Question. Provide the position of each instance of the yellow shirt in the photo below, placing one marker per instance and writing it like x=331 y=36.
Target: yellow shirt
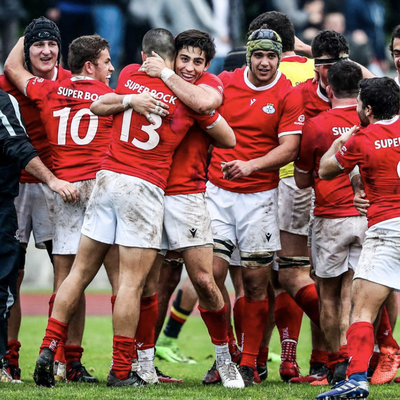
x=297 y=69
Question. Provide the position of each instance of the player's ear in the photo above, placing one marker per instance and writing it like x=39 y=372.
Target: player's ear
x=144 y=56
x=207 y=66
x=88 y=67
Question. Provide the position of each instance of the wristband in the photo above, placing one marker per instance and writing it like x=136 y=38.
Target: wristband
x=126 y=101
x=166 y=73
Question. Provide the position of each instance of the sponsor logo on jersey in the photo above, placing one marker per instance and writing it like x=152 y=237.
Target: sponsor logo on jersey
x=37 y=79
x=340 y=130
x=268 y=236
x=16 y=236
x=252 y=101
x=300 y=120
x=221 y=89
x=136 y=87
x=269 y=108
x=77 y=94
x=193 y=232
x=385 y=143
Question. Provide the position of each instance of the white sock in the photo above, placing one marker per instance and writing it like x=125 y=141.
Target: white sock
x=222 y=352
x=146 y=359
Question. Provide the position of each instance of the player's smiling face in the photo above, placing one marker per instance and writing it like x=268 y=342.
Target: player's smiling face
x=190 y=63
x=396 y=54
x=264 y=65
x=104 y=69
x=43 y=56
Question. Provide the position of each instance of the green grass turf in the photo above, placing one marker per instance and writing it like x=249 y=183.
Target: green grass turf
x=194 y=342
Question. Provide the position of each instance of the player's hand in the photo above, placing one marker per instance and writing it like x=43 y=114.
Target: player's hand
x=236 y=169
x=144 y=103
x=66 y=190
x=341 y=140
x=153 y=65
x=361 y=203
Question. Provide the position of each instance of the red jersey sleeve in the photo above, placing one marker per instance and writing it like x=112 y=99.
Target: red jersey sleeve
x=292 y=118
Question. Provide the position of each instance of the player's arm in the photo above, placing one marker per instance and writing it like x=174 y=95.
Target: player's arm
x=200 y=98
x=303 y=179
x=361 y=203
x=14 y=68
x=278 y=157
x=222 y=133
x=329 y=167
x=143 y=103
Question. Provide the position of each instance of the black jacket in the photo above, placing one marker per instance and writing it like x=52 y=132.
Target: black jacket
x=15 y=148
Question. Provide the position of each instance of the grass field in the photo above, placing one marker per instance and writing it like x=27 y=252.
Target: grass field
x=194 y=342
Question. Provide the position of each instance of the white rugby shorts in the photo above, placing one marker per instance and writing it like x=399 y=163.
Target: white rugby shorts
x=380 y=257
x=187 y=222
x=248 y=219
x=35 y=209
x=125 y=210
x=68 y=219
x=336 y=244
x=294 y=207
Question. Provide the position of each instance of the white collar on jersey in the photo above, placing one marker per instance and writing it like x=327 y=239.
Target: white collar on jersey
x=321 y=95
x=81 y=78
x=260 y=88
x=388 y=121
x=54 y=78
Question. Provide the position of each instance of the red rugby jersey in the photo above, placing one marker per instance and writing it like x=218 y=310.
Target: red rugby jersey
x=139 y=148
x=34 y=126
x=333 y=199
x=78 y=138
x=188 y=169
x=376 y=150
x=314 y=101
x=258 y=116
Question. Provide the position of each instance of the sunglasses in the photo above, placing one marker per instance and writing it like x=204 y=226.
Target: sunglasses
x=264 y=34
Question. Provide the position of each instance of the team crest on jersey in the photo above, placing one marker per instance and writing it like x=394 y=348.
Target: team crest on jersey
x=269 y=108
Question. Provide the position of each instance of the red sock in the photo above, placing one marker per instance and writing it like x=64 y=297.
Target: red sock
x=216 y=324
x=238 y=309
x=122 y=356
x=289 y=350
x=145 y=332
x=373 y=363
x=288 y=316
x=72 y=354
x=343 y=353
x=319 y=357
x=12 y=354
x=113 y=298
x=332 y=361
x=384 y=334
x=262 y=357
x=56 y=332
x=307 y=299
x=51 y=303
x=360 y=342
x=254 y=321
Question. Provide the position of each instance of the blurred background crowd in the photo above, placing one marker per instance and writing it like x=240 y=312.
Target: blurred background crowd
x=367 y=24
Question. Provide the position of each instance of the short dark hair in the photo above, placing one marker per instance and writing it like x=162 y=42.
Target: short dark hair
x=196 y=39
x=382 y=95
x=395 y=34
x=83 y=49
x=344 y=77
x=161 y=41
x=278 y=22
x=329 y=43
